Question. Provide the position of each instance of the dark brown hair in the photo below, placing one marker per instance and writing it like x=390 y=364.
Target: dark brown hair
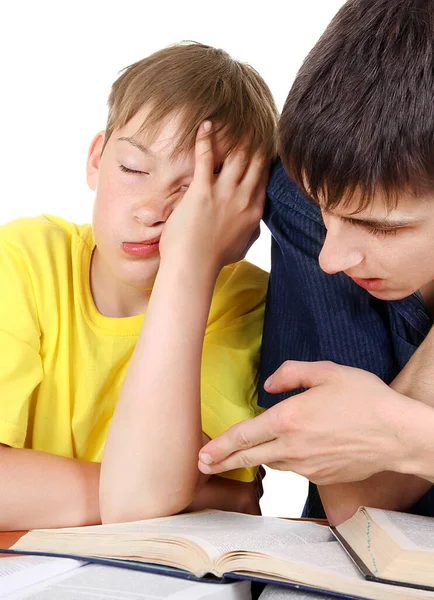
x=360 y=115
x=198 y=82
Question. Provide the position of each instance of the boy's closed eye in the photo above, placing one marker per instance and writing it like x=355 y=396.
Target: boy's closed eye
x=182 y=188
x=125 y=169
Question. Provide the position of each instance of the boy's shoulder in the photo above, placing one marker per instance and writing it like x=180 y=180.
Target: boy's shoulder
x=243 y=275
x=33 y=236
x=240 y=288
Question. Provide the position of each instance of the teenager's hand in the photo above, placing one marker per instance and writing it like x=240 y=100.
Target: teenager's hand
x=218 y=218
x=346 y=427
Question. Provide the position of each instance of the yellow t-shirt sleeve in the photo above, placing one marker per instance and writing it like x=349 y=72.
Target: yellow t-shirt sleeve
x=20 y=362
x=230 y=362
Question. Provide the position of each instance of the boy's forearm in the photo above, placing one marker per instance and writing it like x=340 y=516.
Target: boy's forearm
x=392 y=490
x=149 y=466
x=42 y=490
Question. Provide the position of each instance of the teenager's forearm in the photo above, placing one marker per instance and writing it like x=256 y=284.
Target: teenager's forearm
x=149 y=466
x=42 y=490
x=392 y=490
x=227 y=494
x=416 y=380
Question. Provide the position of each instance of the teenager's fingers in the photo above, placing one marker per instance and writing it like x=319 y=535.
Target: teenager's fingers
x=241 y=436
x=294 y=374
x=204 y=155
x=267 y=452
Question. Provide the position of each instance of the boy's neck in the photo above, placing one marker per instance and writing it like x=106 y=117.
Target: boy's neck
x=111 y=297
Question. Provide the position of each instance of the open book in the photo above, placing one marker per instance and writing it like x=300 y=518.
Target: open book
x=390 y=546
x=300 y=554
x=36 y=577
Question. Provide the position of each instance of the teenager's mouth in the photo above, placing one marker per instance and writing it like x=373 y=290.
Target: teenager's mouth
x=372 y=284
x=141 y=249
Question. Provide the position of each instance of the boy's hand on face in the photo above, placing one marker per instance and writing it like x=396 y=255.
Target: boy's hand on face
x=218 y=219
x=346 y=427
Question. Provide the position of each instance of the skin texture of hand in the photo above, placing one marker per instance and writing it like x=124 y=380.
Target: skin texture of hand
x=347 y=426
x=218 y=217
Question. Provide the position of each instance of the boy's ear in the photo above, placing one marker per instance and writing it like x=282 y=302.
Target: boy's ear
x=94 y=159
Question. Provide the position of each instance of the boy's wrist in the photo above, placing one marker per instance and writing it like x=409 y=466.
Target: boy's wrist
x=192 y=264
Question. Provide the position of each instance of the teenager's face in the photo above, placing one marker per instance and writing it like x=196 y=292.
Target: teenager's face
x=138 y=184
x=390 y=253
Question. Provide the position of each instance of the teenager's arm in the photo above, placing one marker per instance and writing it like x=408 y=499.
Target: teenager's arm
x=149 y=466
x=348 y=426
x=228 y=494
x=391 y=490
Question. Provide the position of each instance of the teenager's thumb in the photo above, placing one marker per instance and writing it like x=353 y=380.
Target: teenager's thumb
x=293 y=374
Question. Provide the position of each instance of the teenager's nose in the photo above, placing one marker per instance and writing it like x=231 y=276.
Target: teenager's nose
x=340 y=251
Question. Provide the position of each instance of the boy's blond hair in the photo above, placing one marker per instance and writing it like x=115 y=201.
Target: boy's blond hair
x=197 y=82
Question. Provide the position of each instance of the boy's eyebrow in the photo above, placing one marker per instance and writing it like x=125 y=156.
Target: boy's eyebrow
x=136 y=144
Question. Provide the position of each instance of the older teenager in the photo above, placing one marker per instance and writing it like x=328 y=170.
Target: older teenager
x=352 y=277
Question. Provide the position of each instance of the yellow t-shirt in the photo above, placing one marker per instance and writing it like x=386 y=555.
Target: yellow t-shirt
x=62 y=363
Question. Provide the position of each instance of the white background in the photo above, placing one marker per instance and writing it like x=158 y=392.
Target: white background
x=57 y=63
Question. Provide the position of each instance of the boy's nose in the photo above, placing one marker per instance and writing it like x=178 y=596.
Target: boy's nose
x=339 y=253
x=154 y=209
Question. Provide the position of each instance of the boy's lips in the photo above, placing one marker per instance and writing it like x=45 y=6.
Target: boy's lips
x=143 y=248
x=372 y=284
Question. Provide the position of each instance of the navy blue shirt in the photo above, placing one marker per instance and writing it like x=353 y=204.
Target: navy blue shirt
x=311 y=315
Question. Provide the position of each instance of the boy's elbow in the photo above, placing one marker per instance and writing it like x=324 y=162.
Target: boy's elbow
x=123 y=510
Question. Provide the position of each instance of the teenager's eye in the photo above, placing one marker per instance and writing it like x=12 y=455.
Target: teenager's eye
x=382 y=232
x=373 y=230
x=133 y=171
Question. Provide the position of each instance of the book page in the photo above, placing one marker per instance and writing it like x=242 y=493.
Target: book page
x=328 y=557
x=326 y=566
x=410 y=531
x=274 y=592
x=98 y=582
x=228 y=532
x=217 y=532
x=178 y=524
x=17 y=572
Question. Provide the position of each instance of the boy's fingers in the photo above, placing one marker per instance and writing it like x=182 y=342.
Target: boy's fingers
x=236 y=164
x=293 y=374
x=203 y=152
x=241 y=436
x=256 y=174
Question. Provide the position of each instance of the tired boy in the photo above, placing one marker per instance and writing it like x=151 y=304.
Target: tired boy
x=357 y=136
x=134 y=330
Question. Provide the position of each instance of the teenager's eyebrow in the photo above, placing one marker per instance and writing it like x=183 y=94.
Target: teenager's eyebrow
x=383 y=223
x=379 y=223
x=138 y=145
